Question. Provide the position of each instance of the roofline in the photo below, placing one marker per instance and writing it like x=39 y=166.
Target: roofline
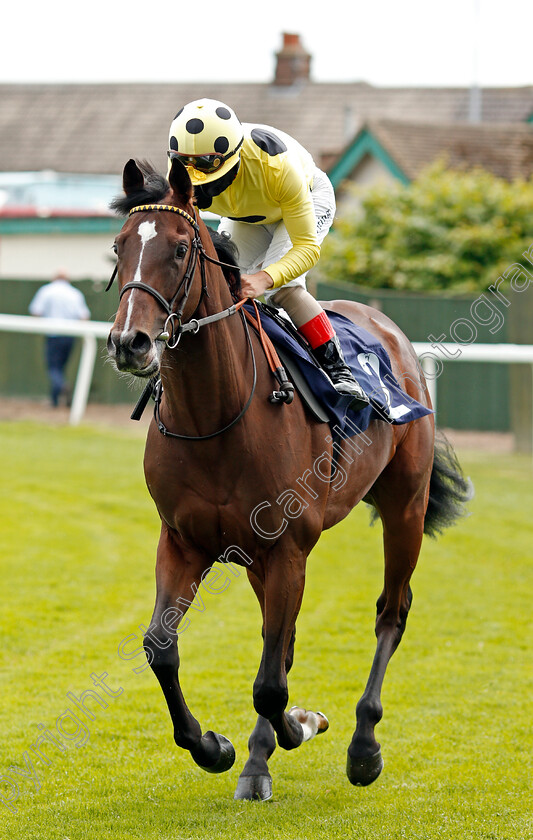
x=71 y=85
x=365 y=143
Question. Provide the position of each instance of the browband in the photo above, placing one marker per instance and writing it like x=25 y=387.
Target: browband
x=170 y=207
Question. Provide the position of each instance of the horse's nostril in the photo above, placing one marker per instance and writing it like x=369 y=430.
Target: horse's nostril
x=111 y=346
x=140 y=343
x=128 y=347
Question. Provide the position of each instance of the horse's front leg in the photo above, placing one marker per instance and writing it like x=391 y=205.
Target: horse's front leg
x=178 y=576
x=255 y=781
x=283 y=587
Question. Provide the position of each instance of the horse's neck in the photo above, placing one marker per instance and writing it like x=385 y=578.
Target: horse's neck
x=205 y=378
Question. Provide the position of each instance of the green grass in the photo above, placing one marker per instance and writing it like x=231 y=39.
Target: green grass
x=78 y=539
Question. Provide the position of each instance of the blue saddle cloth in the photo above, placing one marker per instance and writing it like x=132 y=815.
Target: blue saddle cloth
x=371 y=366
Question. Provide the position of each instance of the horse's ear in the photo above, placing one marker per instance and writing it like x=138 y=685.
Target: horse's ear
x=132 y=178
x=180 y=182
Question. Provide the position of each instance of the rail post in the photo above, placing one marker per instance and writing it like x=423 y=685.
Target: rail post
x=83 y=379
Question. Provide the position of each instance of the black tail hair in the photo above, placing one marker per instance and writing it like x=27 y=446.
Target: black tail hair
x=449 y=489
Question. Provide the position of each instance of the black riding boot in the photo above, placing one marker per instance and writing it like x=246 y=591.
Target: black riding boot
x=329 y=357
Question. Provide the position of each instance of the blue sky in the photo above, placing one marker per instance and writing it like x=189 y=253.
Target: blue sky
x=414 y=42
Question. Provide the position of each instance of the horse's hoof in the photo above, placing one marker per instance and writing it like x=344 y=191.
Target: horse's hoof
x=323 y=723
x=363 y=771
x=312 y=723
x=254 y=787
x=226 y=757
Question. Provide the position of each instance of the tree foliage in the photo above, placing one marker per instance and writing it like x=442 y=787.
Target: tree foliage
x=447 y=230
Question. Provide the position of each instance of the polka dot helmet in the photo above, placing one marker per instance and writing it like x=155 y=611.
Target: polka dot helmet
x=206 y=136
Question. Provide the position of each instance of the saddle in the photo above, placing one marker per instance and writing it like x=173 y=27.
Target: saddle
x=368 y=360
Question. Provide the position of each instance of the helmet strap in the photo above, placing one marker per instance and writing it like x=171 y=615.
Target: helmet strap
x=206 y=192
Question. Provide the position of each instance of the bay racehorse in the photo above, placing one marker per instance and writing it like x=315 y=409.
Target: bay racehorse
x=234 y=476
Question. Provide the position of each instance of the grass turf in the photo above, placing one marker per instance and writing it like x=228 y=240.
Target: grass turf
x=78 y=541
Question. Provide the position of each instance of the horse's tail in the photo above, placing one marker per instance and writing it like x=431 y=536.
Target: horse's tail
x=449 y=489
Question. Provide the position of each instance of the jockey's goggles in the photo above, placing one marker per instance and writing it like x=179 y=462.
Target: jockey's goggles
x=204 y=163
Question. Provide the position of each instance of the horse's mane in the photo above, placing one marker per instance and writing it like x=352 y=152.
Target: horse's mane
x=227 y=252
x=155 y=188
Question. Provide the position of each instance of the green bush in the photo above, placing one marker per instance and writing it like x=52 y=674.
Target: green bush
x=447 y=230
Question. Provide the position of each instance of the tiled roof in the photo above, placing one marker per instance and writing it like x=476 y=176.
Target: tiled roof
x=95 y=128
x=505 y=150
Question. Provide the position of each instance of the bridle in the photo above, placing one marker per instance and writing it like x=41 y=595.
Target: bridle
x=170 y=330
x=186 y=281
x=174 y=328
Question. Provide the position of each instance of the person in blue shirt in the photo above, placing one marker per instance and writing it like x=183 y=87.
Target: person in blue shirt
x=58 y=299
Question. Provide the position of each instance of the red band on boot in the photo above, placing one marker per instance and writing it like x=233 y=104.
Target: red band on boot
x=318 y=330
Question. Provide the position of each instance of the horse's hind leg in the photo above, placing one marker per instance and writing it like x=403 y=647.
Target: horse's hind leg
x=402 y=537
x=178 y=575
x=255 y=781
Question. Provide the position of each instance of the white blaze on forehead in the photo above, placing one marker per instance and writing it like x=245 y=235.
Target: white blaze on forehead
x=146 y=231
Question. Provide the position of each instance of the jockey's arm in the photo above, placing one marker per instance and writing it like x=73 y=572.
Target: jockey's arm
x=298 y=216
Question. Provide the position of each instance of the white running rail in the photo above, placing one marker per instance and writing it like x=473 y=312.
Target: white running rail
x=503 y=353
x=90 y=331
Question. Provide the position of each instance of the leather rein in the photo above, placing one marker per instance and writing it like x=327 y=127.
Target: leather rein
x=174 y=328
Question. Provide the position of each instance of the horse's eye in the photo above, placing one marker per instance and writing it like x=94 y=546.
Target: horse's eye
x=114 y=247
x=181 y=250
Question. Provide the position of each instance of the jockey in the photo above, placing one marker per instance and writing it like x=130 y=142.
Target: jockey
x=277 y=207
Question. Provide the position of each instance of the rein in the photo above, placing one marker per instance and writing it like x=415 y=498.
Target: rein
x=173 y=333
x=158 y=393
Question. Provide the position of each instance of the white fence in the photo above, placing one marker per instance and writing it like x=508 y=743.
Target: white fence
x=504 y=353
x=89 y=331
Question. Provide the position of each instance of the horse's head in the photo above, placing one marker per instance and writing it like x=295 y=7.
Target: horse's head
x=157 y=252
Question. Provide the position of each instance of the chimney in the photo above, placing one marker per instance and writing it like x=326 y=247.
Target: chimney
x=293 y=63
